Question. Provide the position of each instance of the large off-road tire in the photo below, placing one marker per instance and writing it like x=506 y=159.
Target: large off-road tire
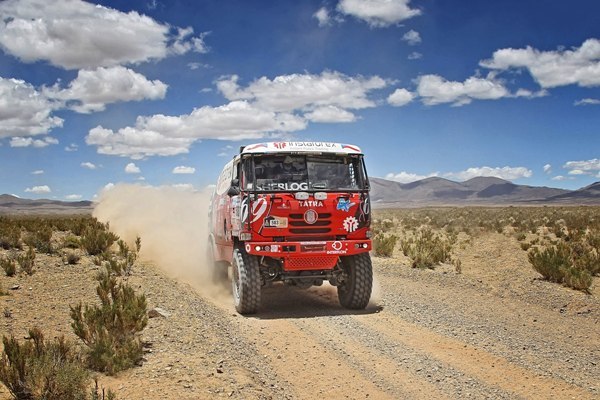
x=355 y=290
x=218 y=269
x=245 y=281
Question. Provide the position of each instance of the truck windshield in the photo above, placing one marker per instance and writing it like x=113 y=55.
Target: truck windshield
x=271 y=173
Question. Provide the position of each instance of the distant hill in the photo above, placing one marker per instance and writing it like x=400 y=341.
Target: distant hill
x=14 y=205
x=476 y=191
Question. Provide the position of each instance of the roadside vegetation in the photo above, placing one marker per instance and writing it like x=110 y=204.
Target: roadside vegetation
x=562 y=243
x=109 y=329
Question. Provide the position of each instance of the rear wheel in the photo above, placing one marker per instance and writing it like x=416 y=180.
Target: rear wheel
x=246 y=282
x=218 y=269
x=354 y=291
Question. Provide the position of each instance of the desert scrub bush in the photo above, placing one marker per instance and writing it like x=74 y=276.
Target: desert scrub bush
x=71 y=242
x=97 y=238
x=41 y=239
x=426 y=248
x=10 y=234
x=27 y=261
x=556 y=264
x=71 y=258
x=39 y=370
x=110 y=331
x=8 y=265
x=383 y=246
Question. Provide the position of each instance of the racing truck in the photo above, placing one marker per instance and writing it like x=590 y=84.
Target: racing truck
x=292 y=212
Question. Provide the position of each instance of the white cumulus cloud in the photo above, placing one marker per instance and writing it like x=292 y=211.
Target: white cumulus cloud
x=73 y=197
x=181 y=169
x=131 y=168
x=27 y=142
x=330 y=114
x=378 y=13
x=508 y=173
x=585 y=167
x=88 y=165
x=412 y=37
x=548 y=168
x=407 y=177
x=433 y=89
x=400 y=97
x=304 y=91
x=75 y=34
x=169 y=135
x=24 y=111
x=39 y=189
x=577 y=66
x=37 y=172
x=587 y=102
x=93 y=89
x=322 y=15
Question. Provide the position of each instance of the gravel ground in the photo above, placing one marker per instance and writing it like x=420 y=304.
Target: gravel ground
x=493 y=332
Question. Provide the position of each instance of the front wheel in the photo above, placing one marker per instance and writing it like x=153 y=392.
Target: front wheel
x=354 y=291
x=246 y=282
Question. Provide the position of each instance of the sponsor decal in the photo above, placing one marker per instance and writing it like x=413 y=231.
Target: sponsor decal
x=344 y=204
x=353 y=148
x=244 y=210
x=311 y=203
x=366 y=206
x=350 y=224
x=310 y=216
x=258 y=209
x=254 y=147
x=287 y=186
x=280 y=145
x=337 y=252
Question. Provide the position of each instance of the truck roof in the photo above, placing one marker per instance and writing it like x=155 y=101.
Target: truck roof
x=300 y=147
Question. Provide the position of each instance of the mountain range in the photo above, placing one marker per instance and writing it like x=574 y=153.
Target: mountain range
x=476 y=191
x=432 y=191
x=15 y=205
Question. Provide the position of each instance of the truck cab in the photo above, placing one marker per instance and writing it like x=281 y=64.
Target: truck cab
x=295 y=212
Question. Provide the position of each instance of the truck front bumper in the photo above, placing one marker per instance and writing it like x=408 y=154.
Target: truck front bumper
x=317 y=255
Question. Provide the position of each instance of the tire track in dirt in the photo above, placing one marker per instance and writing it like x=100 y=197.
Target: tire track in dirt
x=310 y=368
x=530 y=335
x=479 y=364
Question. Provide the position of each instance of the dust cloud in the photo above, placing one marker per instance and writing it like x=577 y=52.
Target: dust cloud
x=172 y=223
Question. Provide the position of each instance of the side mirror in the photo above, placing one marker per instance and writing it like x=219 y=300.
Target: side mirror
x=234 y=189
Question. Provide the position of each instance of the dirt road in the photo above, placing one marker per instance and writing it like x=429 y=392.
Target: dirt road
x=494 y=331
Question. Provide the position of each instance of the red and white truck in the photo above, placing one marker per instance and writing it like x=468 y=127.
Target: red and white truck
x=295 y=212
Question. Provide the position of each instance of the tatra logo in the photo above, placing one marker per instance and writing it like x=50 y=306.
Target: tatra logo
x=310 y=216
x=311 y=203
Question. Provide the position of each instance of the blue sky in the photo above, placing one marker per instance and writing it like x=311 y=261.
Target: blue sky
x=164 y=92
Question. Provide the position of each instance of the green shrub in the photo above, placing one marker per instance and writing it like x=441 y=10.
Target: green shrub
x=97 y=239
x=41 y=239
x=383 y=246
x=525 y=246
x=71 y=258
x=426 y=248
x=71 y=242
x=578 y=279
x=10 y=235
x=556 y=264
x=26 y=261
x=8 y=265
x=38 y=370
x=110 y=331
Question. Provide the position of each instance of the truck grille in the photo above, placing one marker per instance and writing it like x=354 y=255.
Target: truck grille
x=299 y=227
